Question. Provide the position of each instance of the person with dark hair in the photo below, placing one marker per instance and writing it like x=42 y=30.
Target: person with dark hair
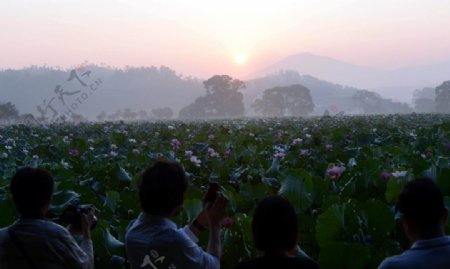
x=154 y=241
x=34 y=242
x=275 y=233
x=424 y=216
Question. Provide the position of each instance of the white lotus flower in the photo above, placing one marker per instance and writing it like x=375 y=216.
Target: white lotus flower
x=399 y=173
x=66 y=165
x=195 y=161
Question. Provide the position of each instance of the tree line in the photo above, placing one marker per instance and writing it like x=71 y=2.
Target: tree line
x=223 y=98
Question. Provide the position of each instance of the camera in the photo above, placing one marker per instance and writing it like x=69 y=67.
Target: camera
x=72 y=215
x=212 y=193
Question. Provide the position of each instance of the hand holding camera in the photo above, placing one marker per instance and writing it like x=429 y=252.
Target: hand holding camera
x=214 y=206
x=81 y=219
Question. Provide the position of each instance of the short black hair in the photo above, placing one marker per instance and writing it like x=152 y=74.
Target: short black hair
x=162 y=188
x=421 y=201
x=275 y=225
x=31 y=188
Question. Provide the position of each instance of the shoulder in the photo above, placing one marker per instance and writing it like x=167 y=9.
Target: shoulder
x=37 y=227
x=282 y=262
x=55 y=229
x=3 y=233
x=394 y=262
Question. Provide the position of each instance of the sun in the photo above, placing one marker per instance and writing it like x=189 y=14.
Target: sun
x=240 y=58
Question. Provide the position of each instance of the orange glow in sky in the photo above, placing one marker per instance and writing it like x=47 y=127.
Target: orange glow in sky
x=236 y=37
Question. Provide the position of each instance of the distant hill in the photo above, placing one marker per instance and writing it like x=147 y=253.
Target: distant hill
x=397 y=84
x=144 y=88
x=148 y=88
x=326 y=96
x=324 y=68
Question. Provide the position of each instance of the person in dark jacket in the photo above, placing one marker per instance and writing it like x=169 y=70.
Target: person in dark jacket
x=275 y=233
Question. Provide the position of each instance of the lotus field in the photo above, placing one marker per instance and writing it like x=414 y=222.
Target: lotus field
x=343 y=175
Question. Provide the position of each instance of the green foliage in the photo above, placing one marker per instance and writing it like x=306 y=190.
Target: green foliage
x=8 y=111
x=443 y=97
x=222 y=100
x=345 y=221
x=294 y=100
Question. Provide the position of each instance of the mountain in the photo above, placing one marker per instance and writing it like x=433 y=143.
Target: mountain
x=143 y=88
x=396 y=84
x=324 y=68
x=325 y=95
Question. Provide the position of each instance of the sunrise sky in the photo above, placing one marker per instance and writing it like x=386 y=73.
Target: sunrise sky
x=236 y=37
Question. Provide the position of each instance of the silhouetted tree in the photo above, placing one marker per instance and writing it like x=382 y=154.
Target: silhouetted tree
x=128 y=114
x=101 y=116
x=8 y=111
x=424 y=105
x=294 y=100
x=424 y=100
x=115 y=116
x=222 y=99
x=369 y=102
x=77 y=118
x=443 y=97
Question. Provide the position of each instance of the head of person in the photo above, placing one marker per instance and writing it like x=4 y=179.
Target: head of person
x=275 y=226
x=162 y=188
x=31 y=190
x=422 y=208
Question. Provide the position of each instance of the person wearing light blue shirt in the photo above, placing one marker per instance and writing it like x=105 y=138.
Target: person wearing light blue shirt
x=154 y=241
x=36 y=242
x=424 y=217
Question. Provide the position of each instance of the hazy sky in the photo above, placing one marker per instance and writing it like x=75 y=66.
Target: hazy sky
x=205 y=37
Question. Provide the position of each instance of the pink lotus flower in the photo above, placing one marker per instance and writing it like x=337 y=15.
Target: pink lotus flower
x=175 y=144
x=335 y=172
x=328 y=146
x=213 y=153
x=227 y=222
x=211 y=137
x=427 y=154
x=188 y=153
x=136 y=151
x=279 y=155
x=279 y=152
x=385 y=176
x=305 y=152
x=73 y=152
x=227 y=153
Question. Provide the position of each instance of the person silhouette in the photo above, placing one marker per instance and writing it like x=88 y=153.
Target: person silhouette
x=424 y=216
